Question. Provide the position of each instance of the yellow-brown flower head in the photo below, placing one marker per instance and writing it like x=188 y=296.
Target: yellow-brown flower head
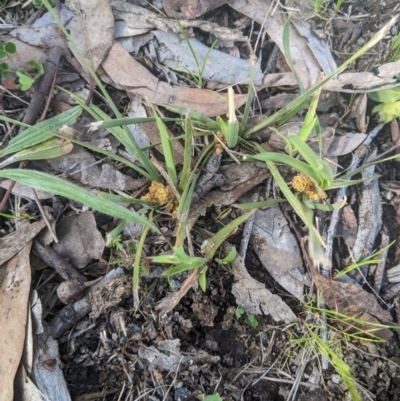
x=217 y=144
x=159 y=193
x=303 y=183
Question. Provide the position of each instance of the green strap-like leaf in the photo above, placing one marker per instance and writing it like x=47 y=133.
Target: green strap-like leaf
x=39 y=132
x=61 y=187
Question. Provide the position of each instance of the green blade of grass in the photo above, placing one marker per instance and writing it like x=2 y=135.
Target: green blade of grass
x=216 y=240
x=124 y=199
x=136 y=267
x=182 y=267
x=119 y=122
x=311 y=117
x=168 y=149
x=49 y=149
x=285 y=159
x=197 y=117
x=58 y=186
x=320 y=167
x=187 y=155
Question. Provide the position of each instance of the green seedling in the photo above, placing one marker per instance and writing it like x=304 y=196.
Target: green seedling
x=251 y=320
x=25 y=79
x=342 y=330
x=113 y=238
x=239 y=311
x=198 y=79
x=5 y=50
x=389 y=107
x=213 y=397
x=395 y=49
x=115 y=242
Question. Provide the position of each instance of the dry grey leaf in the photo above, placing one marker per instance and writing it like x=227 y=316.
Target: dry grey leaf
x=277 y=249
x=219 y=67
x=352 y=301
x=15 y=283
x=124 y=72
x=369 y=218
x=191 y=8
x=367 y=81
x=25 y=192
x=168 y=356
x=253 y=296
x=317 y=46
x=389 y=70
x=305 y=64
x=130 y=19
x=91 y=29
x=47 y=373
x=82 y=166
x=358 y=112
x=345 y=144
x=393 y=274
x=12 y=243
x=24 y=387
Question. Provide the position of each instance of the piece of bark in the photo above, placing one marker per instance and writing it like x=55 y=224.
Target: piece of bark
x=380 y=267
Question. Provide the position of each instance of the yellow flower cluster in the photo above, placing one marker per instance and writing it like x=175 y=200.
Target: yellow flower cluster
x=305 y=184
x=217 y=144
x=162 y=194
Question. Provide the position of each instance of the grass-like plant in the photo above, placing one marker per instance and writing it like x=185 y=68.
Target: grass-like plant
x=172 y=192
x=342 y=330
x=197 y=78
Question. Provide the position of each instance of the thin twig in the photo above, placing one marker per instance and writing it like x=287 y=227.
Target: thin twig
x=45 y=218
